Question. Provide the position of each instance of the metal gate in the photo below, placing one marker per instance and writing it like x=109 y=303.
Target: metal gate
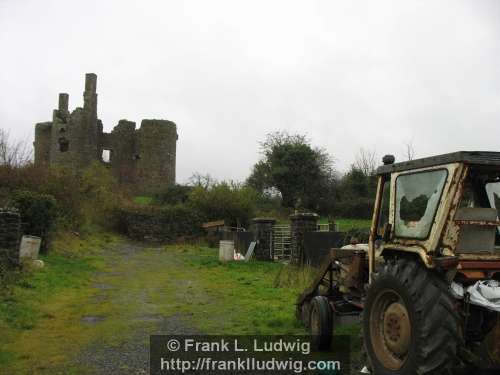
x=281 y=240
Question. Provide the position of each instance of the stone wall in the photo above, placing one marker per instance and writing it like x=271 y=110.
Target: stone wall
x=75 y=136
x=124 y=154
x=165 y=224
x=43 y=134
x=156 y=146
x=10 y=235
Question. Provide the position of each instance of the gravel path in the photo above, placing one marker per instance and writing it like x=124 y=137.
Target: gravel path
x=122 y=286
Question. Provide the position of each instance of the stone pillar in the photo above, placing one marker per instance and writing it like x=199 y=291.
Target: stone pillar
x=301 y=223
x=43 y=136
x=10 y=234
x=63 y=102
x=90 y=129
x=89 y=95
x=263 y=232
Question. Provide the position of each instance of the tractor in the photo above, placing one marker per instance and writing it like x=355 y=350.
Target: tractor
x=427 y=283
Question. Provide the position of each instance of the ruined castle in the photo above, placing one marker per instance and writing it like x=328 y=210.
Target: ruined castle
x=143 y=158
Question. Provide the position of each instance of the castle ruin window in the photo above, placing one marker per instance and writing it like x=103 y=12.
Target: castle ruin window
x=107 y=156
x=63 y=144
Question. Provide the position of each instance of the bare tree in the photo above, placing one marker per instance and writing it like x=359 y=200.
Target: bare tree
x=366 y=161
x=14 y=153
x=409 y=150
x=205 y=181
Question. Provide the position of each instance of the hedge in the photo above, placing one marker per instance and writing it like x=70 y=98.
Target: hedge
x=167 y=223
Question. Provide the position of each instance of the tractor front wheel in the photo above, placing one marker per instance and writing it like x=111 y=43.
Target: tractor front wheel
x=410 y=324
x=321 y=322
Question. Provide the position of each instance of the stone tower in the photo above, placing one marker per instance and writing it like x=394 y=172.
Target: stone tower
x=142 y=158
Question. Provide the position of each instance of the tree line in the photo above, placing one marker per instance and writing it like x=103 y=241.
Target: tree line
x=305 y=177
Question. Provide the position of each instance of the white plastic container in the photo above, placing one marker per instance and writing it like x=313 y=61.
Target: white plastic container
x=30 y=247
x=226 y=251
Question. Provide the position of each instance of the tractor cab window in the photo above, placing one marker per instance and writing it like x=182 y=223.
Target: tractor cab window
x=383 y=218
x=482 y=190
x=493 y=192
x=417 y=199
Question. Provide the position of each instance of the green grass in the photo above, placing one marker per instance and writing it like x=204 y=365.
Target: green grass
x=348 y=224
x=19 y=308
x=37 y=306
x=40 y=319
x=244 y=295
x=143 y=200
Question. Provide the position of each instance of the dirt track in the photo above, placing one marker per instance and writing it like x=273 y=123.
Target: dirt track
x=124 y=285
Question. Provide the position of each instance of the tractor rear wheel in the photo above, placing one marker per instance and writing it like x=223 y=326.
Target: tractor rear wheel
x=321 y=323
x=411 y=323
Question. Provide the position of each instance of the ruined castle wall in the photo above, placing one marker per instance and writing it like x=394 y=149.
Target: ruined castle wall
x=156 y=147
x=106 y=141
x=91 y=126
x=65 y=138
x=123 y=152
x=75 y=138
x=42 y=143
x=143 y=159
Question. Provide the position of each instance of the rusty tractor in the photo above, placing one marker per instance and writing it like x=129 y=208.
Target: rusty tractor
x=427 y=283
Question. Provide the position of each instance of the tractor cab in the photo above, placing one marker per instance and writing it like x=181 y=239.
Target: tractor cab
x=443 y=209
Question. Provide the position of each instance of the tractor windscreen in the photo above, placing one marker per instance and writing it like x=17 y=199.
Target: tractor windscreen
x=417 y=199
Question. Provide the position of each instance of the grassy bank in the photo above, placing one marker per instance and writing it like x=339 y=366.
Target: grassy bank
x=36 y=308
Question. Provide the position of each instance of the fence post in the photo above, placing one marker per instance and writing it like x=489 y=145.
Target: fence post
x=301 y=223
x=263 y=232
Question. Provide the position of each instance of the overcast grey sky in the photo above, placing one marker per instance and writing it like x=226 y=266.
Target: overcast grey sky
x=349 y=74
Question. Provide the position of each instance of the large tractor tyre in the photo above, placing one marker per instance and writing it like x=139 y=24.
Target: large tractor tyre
x=411 y=322
x=321 y=323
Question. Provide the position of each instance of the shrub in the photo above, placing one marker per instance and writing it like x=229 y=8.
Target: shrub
x=27 y=177
x=87 y=197
x=38 y=213
x=172 y=195
x=359 y=208
x=234 y=203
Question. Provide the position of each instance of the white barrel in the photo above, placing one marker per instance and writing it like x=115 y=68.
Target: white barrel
x=30 y=246
x=226 y=251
